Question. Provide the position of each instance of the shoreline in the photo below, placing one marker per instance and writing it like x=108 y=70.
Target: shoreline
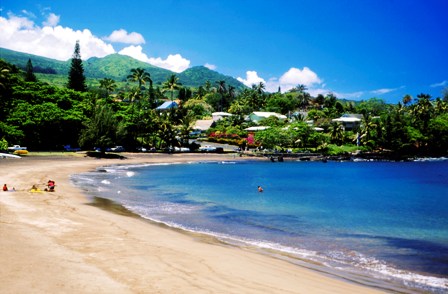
x=54 y=242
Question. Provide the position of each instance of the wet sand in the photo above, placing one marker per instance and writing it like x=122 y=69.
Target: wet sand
x=56 y=243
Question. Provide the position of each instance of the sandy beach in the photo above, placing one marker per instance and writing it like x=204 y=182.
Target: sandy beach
x=56 y=243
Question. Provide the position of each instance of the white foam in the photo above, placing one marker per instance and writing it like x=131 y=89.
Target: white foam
x=106 y=182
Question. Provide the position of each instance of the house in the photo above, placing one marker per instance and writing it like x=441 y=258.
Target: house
x=258 y=128
x=349 y=121
x=219 y=115
x=259 y=115
x=203 y=124
x=167 y=105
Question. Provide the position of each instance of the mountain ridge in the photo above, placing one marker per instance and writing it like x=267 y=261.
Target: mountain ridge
x=118 y=67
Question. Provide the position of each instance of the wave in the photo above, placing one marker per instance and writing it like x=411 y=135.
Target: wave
x=352 y=262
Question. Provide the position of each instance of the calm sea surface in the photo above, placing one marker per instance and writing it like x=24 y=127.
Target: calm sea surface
x=380 y=223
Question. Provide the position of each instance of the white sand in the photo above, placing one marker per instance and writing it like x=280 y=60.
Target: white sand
x=55 y=243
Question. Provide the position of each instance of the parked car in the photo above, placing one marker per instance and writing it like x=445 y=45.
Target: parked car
x=181 y=149
x=141 y=149
x=69 y=148
x=16 y=147
x=117 y=149
x=207 y=148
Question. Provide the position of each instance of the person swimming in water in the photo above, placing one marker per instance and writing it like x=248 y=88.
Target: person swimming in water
x=260 y=189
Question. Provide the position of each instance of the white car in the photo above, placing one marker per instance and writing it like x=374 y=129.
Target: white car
x=118 y=149
x=181 y=149
x=207 y=148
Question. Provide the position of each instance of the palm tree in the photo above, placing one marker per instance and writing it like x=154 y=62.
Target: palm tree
x=185 y=127
x=231 y=92
x=260 y=88
x=367 y=127
x=221 y=87
x=139 y=75
x=337 y=133
x=407 y=99
x=171 y=84
x=208 y=86
x=108 y=85
x=423 y=110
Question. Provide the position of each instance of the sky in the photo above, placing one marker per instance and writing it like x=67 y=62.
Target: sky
x=355 y=49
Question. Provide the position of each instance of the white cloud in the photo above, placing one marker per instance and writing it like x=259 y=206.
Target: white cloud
x=122 y=36
x=287 y=81
x=210 y=66
x=52 y=20
x=21 y=34
x=135 y=52
x=385 y=90
x=252 y=78
x=174 y=62
x=295 y=76
x=441 y=84
x=350 y=95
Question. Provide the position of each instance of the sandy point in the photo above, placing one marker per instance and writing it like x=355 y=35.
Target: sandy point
x=55 y=243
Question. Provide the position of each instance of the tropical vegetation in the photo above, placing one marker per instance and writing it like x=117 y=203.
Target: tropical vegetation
x=45 y=116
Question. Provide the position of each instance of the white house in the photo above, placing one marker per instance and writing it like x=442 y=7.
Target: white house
x=259 y=115
x=203 y=124
x=349 y=121
x=219 y=115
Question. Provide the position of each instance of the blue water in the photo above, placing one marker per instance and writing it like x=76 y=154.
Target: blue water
x=384 y=220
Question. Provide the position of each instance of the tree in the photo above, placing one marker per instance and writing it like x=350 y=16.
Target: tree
x=337 y=133
x=76 y=78
x=108 y=85
x=29 y=74
x=221 y=87
x=140 y=76
x=407 y=99
x=101 y=130
x=171 y=84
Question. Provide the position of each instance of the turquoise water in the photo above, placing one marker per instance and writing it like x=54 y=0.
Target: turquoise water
x=384 y=220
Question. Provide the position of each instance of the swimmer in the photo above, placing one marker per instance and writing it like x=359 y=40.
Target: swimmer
x=260 y=189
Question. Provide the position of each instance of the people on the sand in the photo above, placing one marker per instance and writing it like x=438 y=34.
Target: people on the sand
x=5 y=187
x=260 y=189
x=34 y=188
x=51 y=185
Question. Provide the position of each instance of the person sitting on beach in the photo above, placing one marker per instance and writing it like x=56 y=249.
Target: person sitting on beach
x=5 y=188
x=34 y=189
x=51 y=185
x=260 y=189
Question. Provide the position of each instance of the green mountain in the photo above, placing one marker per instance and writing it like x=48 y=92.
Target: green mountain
x=116 y=67
x=197 y=76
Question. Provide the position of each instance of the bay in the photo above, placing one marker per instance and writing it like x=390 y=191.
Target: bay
x=377 y=222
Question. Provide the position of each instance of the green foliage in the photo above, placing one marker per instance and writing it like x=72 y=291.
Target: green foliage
x=196 y=76
x=334 y=150
x=199 y=107
x=76 y=78
x=3 y=144
x=438 y=130
x=43 y=116
x=113 y=66
x=281 y=103
x=101 y=130
x=373 y=106
x=29 y=74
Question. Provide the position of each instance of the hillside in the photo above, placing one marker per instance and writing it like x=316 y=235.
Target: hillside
x=116 y=67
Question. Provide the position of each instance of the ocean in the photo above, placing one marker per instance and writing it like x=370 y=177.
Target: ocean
x=383 y=224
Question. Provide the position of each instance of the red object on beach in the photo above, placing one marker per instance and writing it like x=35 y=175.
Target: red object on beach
x=51 y=185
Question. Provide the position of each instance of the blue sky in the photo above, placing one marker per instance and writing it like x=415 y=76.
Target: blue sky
x=356 y=49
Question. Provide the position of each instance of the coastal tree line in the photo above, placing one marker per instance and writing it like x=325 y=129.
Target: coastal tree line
x=45 y=117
